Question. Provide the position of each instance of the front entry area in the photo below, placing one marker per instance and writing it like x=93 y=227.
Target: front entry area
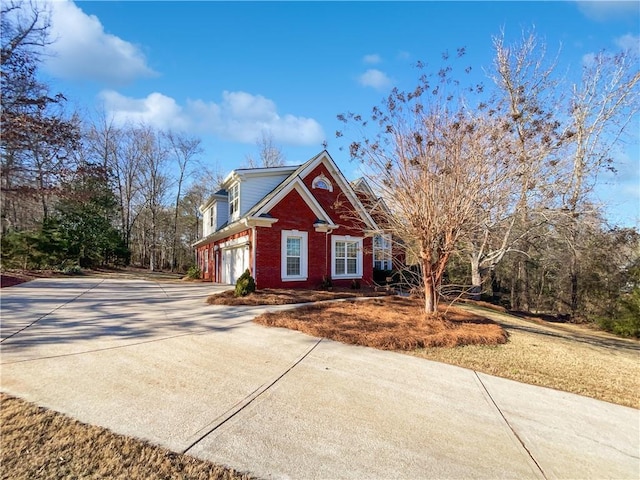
x=234 y=262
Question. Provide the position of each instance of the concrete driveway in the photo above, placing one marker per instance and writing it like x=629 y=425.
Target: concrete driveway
x=154 y=361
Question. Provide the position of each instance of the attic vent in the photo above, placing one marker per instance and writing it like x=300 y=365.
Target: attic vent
x=322 y=183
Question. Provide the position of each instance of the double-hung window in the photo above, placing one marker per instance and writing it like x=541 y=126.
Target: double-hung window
x=347 y=257
x=382 y=252
x=294 y=255
x=234 y=201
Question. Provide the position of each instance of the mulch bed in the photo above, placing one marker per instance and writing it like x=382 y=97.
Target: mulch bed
x=389 y=323
x=9 y=280
x=281 y=296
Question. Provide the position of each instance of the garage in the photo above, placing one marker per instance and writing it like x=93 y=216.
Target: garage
x=234 y=262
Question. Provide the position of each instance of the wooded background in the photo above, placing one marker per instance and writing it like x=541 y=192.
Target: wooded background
x=489 y=186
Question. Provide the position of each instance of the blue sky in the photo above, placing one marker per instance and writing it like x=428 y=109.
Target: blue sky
x=226 y=71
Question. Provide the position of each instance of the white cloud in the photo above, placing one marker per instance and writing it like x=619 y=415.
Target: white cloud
x=239 y=117
x=82 y=50
x=609 y=10
x=372 y=59
x=156 y=110
x=629 y=43
x=375 y=78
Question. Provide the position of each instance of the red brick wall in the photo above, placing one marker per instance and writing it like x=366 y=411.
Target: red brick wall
x=206 y=275
x=215 y=276
x=293 y=213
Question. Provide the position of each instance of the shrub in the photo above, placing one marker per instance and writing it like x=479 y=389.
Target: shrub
x=626 y=320
x=193 y=273
x=72 y=269
x=245 y=284
x=380 y=276
x=326 y=284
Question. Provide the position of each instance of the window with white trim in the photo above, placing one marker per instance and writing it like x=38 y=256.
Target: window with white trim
x=294 y=255
x=234 y=201
x=322 y=183
x=346 y=253
x=212 y=217
x=382 y=252
x=206 y=260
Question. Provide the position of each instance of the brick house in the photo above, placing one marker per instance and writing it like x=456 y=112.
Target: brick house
x=291 y=226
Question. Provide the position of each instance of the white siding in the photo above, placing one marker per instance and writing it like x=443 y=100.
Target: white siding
x=222 y=214
x=254 y=189
x=206 y=224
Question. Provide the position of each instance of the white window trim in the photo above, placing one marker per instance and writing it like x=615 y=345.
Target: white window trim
x=304 y=247
x=325 y=180
x=359 y=263
x=236 y=213
x=387 y=249
x=206 y=260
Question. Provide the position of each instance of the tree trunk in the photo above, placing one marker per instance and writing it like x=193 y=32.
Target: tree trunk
x=430 y=289
x=476 y=279
x=574 y=288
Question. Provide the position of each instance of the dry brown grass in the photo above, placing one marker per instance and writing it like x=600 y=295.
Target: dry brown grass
x=570 y=358
x=389 y=323
x=273 y=296
x=39 y=443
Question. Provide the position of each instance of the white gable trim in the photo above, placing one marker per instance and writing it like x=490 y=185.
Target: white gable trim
x=297 y=185
x=344 y=185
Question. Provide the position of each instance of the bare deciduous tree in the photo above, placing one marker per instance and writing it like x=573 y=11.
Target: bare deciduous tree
x=270 y=155
x=526 y=106
x=25 y=27
x=184 y=150
x=602 y=108
x=155 y=183
x=428 y=161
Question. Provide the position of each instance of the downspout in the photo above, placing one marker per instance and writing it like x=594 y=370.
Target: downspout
x=253 y=255
x=326 y=255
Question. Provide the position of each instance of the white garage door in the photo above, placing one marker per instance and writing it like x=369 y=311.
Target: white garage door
x=234 y=262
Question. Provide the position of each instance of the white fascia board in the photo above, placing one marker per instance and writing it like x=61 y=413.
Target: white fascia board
x=236 y=242
x=214 y=198
x=239 y=173
x=306 y=195
x=362 y=183
x=266 y=171
x=233 y=175
x=344 y=186
x=259 y=221
x=235 y=227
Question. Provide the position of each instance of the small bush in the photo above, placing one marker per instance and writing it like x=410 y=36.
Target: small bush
x=626 y=319
x=71 y=270
x=193 y=273
x=380 y=276
x=326 y=284
x=245 y=284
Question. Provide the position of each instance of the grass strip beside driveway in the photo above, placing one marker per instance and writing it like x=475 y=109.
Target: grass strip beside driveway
x=40 y=443
x=570 y=358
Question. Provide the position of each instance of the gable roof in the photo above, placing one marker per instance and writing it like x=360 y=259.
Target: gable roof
x=260 y=211
x=373 y=202
x=294 y=181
